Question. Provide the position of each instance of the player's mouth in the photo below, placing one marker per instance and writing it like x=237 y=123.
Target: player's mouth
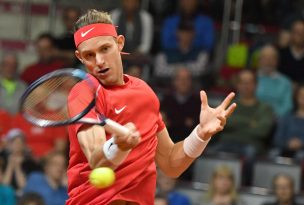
x=103 y=71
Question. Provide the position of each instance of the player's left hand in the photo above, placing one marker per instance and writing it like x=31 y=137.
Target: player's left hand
x=213 y=120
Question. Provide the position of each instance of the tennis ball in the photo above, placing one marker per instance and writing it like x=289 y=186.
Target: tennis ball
x=102 y=177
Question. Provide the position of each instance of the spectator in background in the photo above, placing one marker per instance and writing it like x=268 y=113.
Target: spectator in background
x=166 y=187
x=289 y=137
x=5 y=124
x=47 y=59
x=161 y=200
x=41 y=140
x=184 y=54
x=181 y=106
x=203 y=26
x=273 y=87
x=292 y=57
x=50 y=184
x=222 y=188
x=136 y=25
x=65 y=42
x=247 y=131
x=283 y=186
x=7 y=195
x=17 y=161
x=31 y=199
x=11 y=87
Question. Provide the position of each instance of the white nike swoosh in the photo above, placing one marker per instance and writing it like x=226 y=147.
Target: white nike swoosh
x=120 y=110
x=83 y=34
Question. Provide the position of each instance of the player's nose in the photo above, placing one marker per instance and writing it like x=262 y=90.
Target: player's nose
x=100 y=60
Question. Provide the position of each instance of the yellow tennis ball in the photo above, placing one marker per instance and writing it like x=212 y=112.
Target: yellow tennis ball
x=102 y=177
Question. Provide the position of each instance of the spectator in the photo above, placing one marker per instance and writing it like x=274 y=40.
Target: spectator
x=273 y=87
x=181 y=106
x=5 y=123
x=161 y=200
x=203 y=26
x=292 y=57
x=222 y=189
x=283 y=186
x=50 y=183
x=65 y=42
x=248 y=129
x=42 y=140
x=17 y=161
x=136 y=25
x=289 y=137
x=7 y=195
x=185 y=54
x=47 y=60
x=31 y=199
x=166 y=187
x=11 y=87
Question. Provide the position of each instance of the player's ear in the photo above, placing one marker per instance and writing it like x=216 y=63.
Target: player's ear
x=77 y=54
x=120 y=42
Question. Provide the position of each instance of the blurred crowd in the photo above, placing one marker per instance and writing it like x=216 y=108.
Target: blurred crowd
x=172 y=46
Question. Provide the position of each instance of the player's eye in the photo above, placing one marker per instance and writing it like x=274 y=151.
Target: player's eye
x=88 y=56
x=105 y=48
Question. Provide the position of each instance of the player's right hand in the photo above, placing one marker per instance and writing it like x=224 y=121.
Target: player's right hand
x=129 y=141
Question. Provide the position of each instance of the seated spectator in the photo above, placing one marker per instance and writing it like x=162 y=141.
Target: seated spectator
x=11 y=87
x=49 y=184
x=42 y=140
x=184 y=55
x=283 y=187
x=292 y=57
x=181 y=106
x=31 y=199
x=47 y=60
x=65 y=42
x=166 y=187
x=248 y=129
x=161 y=200
x=222 y=190
x=273 y=87
x=17 y=161
x=203 y=26
x=5 y=123
x=136 y=25
x=7 y=195
x=289 y=136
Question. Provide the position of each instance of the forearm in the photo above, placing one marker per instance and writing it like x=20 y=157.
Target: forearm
x=178 y=161
x=20 y=177
x=8 y=174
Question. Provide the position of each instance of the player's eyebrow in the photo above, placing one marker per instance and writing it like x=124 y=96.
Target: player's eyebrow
x=104 y=44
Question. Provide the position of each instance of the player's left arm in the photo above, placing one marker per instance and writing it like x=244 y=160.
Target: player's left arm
x=174 y=159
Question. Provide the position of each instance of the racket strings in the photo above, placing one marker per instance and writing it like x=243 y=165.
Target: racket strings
x=50 y=99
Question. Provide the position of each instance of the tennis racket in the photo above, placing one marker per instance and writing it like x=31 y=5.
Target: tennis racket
x=64 y=97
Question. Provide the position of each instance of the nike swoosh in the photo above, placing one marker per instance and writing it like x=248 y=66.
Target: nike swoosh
x=120 y=110
x=83 y=34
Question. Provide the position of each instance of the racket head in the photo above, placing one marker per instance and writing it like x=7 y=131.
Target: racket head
x=51 y=100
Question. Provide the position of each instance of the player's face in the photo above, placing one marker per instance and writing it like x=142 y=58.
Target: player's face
x=101 y=56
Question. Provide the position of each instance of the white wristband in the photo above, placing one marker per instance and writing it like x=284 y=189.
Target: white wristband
x=194 y=145
x=113 y=154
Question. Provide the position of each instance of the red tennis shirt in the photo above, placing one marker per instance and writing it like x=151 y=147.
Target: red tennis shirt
x=136 y=177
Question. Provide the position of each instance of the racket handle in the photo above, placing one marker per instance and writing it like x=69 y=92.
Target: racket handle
x=115 y=128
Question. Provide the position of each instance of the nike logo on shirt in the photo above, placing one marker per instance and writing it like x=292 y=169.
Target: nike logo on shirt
x=83 y=34
x=117 y=111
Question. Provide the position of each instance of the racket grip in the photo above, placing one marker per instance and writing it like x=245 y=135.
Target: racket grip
x=115 y=128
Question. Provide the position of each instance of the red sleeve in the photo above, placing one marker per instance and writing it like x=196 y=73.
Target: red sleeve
x=160 y=122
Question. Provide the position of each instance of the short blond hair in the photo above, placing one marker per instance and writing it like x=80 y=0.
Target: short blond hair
x=92 y=16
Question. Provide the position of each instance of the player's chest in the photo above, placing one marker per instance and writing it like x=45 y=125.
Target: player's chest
x=124 y=105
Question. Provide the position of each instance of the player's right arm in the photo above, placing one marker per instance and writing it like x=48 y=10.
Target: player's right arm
x=99 y=152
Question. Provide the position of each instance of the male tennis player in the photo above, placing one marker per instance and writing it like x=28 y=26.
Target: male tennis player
x=130 y=102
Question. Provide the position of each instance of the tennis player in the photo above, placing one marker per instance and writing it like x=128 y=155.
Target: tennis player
x=130 y=102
